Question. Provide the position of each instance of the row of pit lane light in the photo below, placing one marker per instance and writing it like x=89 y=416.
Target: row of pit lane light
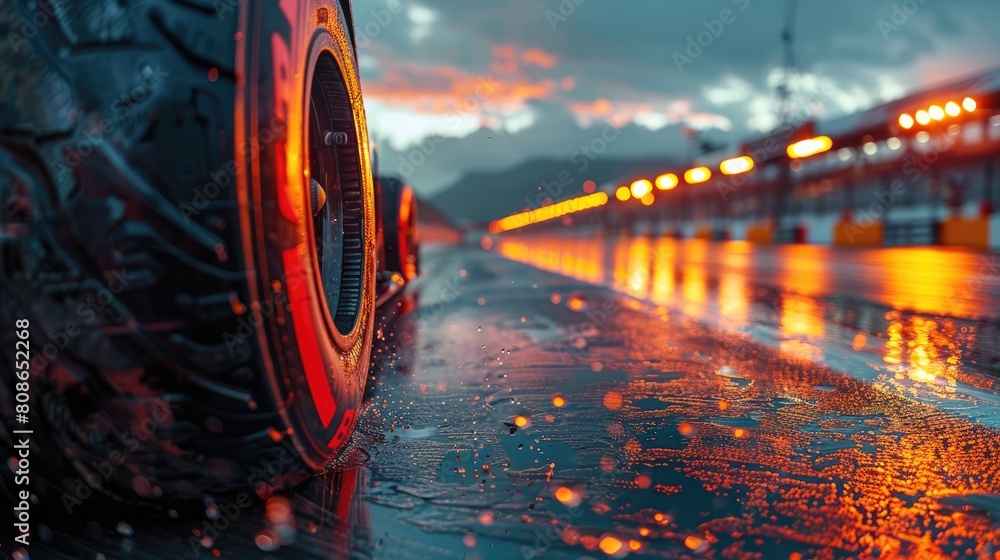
x=924 y=117
x=549 y=212
x=642 y=189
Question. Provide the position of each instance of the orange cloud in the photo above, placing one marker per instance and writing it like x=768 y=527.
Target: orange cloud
x=512 y=82
x=508 y=58
x=443 y=89
x=598 y=108
x=539 y=58
x=432 y=88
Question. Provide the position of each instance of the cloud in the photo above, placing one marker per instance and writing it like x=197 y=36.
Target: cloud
x=653 y=115
x=421 y=21
x=612 y=62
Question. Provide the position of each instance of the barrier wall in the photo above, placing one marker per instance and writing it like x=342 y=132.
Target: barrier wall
x=855 y=234
x=763 y=234
x=979 y=233
x=962 y=232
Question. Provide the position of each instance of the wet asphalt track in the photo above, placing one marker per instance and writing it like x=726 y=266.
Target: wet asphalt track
x=517 y=413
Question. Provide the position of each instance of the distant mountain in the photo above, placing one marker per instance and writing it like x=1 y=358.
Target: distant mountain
x=434 y=226
x=483 y=196
x=429 y=214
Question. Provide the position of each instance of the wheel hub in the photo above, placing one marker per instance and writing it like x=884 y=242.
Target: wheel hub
x=335 y=195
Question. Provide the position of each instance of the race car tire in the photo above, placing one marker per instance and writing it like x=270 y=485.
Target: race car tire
x=399 y=223
x=198 y=324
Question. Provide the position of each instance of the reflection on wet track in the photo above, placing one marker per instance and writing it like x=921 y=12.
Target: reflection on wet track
x=928 y=314
x=592 y=424
x=718 y=401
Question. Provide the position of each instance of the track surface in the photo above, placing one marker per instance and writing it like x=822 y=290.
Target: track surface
x=830 y=424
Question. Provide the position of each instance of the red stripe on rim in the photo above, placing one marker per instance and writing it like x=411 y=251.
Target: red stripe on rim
x=343 y=430
x=306 y=337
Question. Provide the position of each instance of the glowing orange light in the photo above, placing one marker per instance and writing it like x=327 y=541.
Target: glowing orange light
x=647 y=199
x=952 y=109
x=969 y=104
x=610 y=545
x=693 y=542
x=906 y=121
x=613 y=400
x=659 y=518
x=697 y=175
x=666 y=181
x=935 y=112
x=558 y=401
x=520 y=421
x=859 y=341
x=739 y=432
x=634 y=544
x=564 y=494
x=641 y=188
x=923 y=117
x=549 y=212
x=643 y=531
x=736 y=165
x=810 y=147
x=623 y=194
x=575 y=302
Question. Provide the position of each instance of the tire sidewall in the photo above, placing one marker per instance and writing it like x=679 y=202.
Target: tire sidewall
x=400 y=207
x=279 y=64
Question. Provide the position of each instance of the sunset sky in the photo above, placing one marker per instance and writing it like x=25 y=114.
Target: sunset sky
x=489 y=84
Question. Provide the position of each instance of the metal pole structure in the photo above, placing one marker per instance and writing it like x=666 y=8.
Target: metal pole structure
x=785 y=116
